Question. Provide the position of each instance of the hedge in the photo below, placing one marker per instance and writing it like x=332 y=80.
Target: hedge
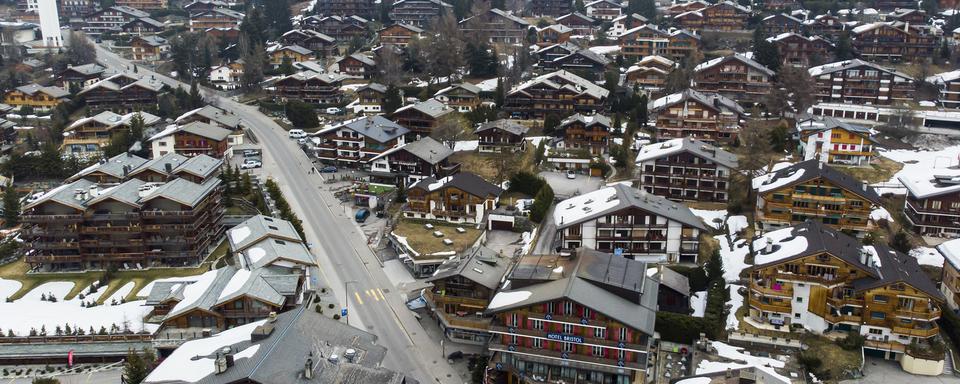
x=541 y=203
x=526 y=183
x=683 y=329
x=950 y=323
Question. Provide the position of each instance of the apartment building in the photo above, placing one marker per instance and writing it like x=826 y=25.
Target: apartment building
x=583 y=61
x=269 y=274
x=420 y=13
x=810 y=190
x=462 y=289
x=781 y=23
x=949 y=85
x=801 y=51
x=584 y=132
x=581 y=24
x=463 y=97
x=894 y=41
x=678 y=8
x=631 y=223
x=421 y=118
x=365 y=9
x=722 y=16
x=553 y=34
x=358 y=65
x=496 y=26
x=149 y=48
x=649 y=40
x=146 y=5
x=559 y=92
x=950 y=276
x=75 y=9
x=36 y=96
x=307 y=38
x=686 y=170
x=110 y=19
x=86 y=225
x=123 y=93
x=399 y=34
x=142 y=26
x=814 y=277
x=191 y=139
x=604 y=10
x=932 y=206
x=460 y=198
x=211 y=115
x=861 y=82
x=341 y=28
x=370 y=98
x=707 y=117
x=736 y=77
x=650 y=73
x=358 y=140
x=835 y=142
x=86 y=137
x=829 y=26
x=552 y=8
x=588 y=317
x=279 y=54
x=77 y=77
x=411 y=162
x=501 y=136
x=310 y=87
x=217 y=18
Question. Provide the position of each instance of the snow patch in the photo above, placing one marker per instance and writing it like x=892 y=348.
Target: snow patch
x=503 y=299
x=193 y=291
x=735 y=302
x=713 y=219
x=255 y=254
x=466 y=145
x=236 y=282
x=735 y=224
x=927 y=256
x=181 y=365
x=239 y=234
x=734 y=260
x=698 y=301
x=880 y=214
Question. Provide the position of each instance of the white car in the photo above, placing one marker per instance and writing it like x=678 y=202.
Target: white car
x=251 y=164
x=571 y=174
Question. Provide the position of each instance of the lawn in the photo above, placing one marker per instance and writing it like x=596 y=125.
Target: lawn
x=425 y=243
x=880 y=171
x=835 y=360
x=489 y=165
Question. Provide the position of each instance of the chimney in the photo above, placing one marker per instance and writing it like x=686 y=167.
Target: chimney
x=769 y=247
x=168 y=167
x=863 y=185
x=126 y=170
x=272 y=317
x=308 y=367
x=93 y=190
x=820 y=165
x=863 y=257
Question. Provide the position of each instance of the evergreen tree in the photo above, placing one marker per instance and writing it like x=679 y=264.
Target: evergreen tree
x=137 y=366
x=714 y=267
x=11 y=206
x=645 y=8
x=302 y=115
x=196 y=99
x=45 y=380
x=550 y=123
x=844 y=48
x=277 y=15
x=392 y=100
x=254 y=26
x=500 y=93
x=578 y=6
x=640 y=113
x=286 y=66
x=136 y=127
x=765 y=52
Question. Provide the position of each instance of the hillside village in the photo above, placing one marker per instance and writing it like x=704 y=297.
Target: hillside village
x=480 y=191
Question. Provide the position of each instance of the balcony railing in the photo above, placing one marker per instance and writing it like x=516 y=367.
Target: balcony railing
x=49 y=218
x=924 y=333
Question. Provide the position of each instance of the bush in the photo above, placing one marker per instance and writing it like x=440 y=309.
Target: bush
x=541 y=203
x=526 y=183
x=336 y=316
x=318 y=308
x=810 y=361
x=683 y=329
x=302 y=115
x=330 y=306
x=852 y=342
x=950 y=323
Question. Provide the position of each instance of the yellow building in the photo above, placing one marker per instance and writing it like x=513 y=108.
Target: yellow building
x=36 y=96
x=815 y=278
x=810 y=190
x=834 y=142
x=294 y=53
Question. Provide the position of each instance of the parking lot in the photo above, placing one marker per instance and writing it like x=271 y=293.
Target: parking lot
x=564 y=187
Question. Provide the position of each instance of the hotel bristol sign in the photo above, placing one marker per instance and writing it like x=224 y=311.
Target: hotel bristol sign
x=565 y=338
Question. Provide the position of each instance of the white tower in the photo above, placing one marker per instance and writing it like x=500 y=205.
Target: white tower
x=50 y=24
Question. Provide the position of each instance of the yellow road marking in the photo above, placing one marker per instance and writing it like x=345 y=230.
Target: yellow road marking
x=380 y=291
x=373 y=294
x=357 y=294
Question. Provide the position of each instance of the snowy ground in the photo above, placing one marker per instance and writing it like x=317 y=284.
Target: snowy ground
x=698 y=301
x=31 y=312
x=8 y=287
x=466 y=145
x=733 y=259
x=712 y=218
x=605 y=49
x=927 y=256
x=735 y=302
x=742 y=360
x=735 y=224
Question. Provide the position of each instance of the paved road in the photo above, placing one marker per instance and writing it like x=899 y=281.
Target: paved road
x=342 y=253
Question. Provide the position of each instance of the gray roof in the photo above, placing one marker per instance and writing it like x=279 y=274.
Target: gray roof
x=713 y=101
x=828 y=122
x=428 y=149
x=159 y=164
x=374 y=86
x=153 y=40
x=509 y=16
x=208 y=298
x=430 y=107
x=297 y=49
x=229 y=13
x=163 y=291
x=66 y=195
x=113 y=166
x=587 y=120
x=896 y=267
x=674 y=281
x=691 y=145
x=361 y=58
x=576 y=14
x=130 y=11
x=564 y=79
x=184 y=192
x=738 y=57
x=258 y=228
x=507 y=125
x=483 y=266
x=200 y=166
x=254 y=285
x=472 y=88
x=617 y=197
x=214 y=114
x=271 y=250
x=464 y=181
x=612 y=285
x=813 y=169
x=290 y=340
x=87 y=69
x=109 y=83
x=127 y=192
x=854 y=63
x=31 y=89
x=111 y=119
x=377 y=128
x=206 y=130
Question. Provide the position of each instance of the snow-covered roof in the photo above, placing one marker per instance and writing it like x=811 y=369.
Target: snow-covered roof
x=810 y=170
x=738 y=57
x=854 y=63
x=951 y=252
x=703 y=150
x=713 y=101
x=929 y=182
x=945 y=77
x=617 y=197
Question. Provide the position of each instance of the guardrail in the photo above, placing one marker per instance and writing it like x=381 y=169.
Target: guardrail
x=749 y=338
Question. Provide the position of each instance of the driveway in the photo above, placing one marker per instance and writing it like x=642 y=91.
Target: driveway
x=564 y=187
x=879 y=371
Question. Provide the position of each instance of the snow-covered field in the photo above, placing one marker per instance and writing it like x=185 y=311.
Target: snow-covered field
x=712 y=218
x=733 y=259
x=742 y=360
x=8 y=287
x=32 y=312
x=466 y=145
x=698 y=301
x=735 y=302
x=918 y=162
x=927 y=256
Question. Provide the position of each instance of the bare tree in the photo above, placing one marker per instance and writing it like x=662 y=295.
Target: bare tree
x=445 y=49
x=450 y=128
x=389 y=66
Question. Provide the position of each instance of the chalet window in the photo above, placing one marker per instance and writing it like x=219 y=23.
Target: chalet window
x=880 y=299
x=586 y=313
x=777 y=197
x=551 y=307
x=801 y=204
x=623 y=334
x=568 y=328
x=878 y=315
x=514 y=319
x=600 y=333
x=876 y=331
x=597 y=351
x=954 y=206
x=935 y=204
x=856 y=203
x=792 y=268
x=568 y=308
x=905 y=304
x=568 y=347
x=538 y=343
x=799 y=299
x=537 y=324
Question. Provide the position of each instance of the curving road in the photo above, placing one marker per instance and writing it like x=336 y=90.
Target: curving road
x=347 y=264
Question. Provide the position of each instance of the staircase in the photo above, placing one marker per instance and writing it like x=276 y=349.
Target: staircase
x=948 y=363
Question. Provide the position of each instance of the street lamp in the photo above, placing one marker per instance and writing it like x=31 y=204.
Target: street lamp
x=346 y=300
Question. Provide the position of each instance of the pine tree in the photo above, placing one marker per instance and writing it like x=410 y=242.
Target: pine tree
x=500 y=93
x=11 y=206
x=714 y=267
x=392 y=101
x=844 y=48
x=136 y=367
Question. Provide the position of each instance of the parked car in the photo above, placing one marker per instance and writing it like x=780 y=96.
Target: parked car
x=362 y=215
x=571 y=174
x=251 y=153
x=328 y=169
x=251 y=164
x=296 y=134
x=302 y=141
x=334 y=111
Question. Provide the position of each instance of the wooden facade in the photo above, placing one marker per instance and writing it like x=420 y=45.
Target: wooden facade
x=399 y=34
x=801 y=51
x=694 y=171
x=736 y=77
x=585 y=132
x=310 y=87
x=706 y=117
x=894 y=42
x=647 y=40
x=860 y=82
x=450 y=202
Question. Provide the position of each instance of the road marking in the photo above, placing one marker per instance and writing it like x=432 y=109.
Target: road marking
x=373 y=294
x=380 y=291
x=357 y=294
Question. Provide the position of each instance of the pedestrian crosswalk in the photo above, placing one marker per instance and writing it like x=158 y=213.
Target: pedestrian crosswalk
x=368 y=295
